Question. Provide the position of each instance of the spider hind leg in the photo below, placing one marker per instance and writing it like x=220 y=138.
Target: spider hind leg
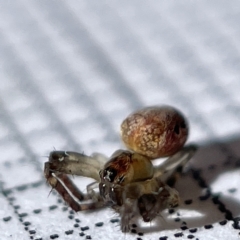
x=172 y=168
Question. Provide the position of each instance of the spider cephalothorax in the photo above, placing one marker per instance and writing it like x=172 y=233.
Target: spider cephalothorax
x=128 y=181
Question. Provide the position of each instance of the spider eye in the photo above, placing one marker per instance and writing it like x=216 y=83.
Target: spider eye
x=110 y=174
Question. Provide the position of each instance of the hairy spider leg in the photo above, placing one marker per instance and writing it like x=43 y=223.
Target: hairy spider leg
x=76 y=164
x=62 y=163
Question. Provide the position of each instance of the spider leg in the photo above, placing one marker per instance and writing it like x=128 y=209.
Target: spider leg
x=156 y=194
x=75 y=164
x=91 y=193
x=170 y=170
x=70 y=193
x=127 y=212
x=151 y=204
x=147 y=199
x=62 y=163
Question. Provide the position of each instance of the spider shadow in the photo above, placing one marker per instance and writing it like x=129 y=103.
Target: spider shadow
x=202 y=204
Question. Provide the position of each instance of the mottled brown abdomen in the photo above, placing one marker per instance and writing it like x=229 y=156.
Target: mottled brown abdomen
x=155 y=132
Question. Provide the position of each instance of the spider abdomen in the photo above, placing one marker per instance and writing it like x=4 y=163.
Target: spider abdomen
x=155 y=132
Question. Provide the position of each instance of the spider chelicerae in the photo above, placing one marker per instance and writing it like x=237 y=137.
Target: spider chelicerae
x=128 y=181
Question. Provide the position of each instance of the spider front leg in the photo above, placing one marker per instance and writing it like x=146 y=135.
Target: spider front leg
x=147 y=199
x=62 y=163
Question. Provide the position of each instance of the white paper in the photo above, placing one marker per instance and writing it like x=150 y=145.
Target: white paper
x=71 y=71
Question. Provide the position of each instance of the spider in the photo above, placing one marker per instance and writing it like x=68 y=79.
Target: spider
x=128 y=181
